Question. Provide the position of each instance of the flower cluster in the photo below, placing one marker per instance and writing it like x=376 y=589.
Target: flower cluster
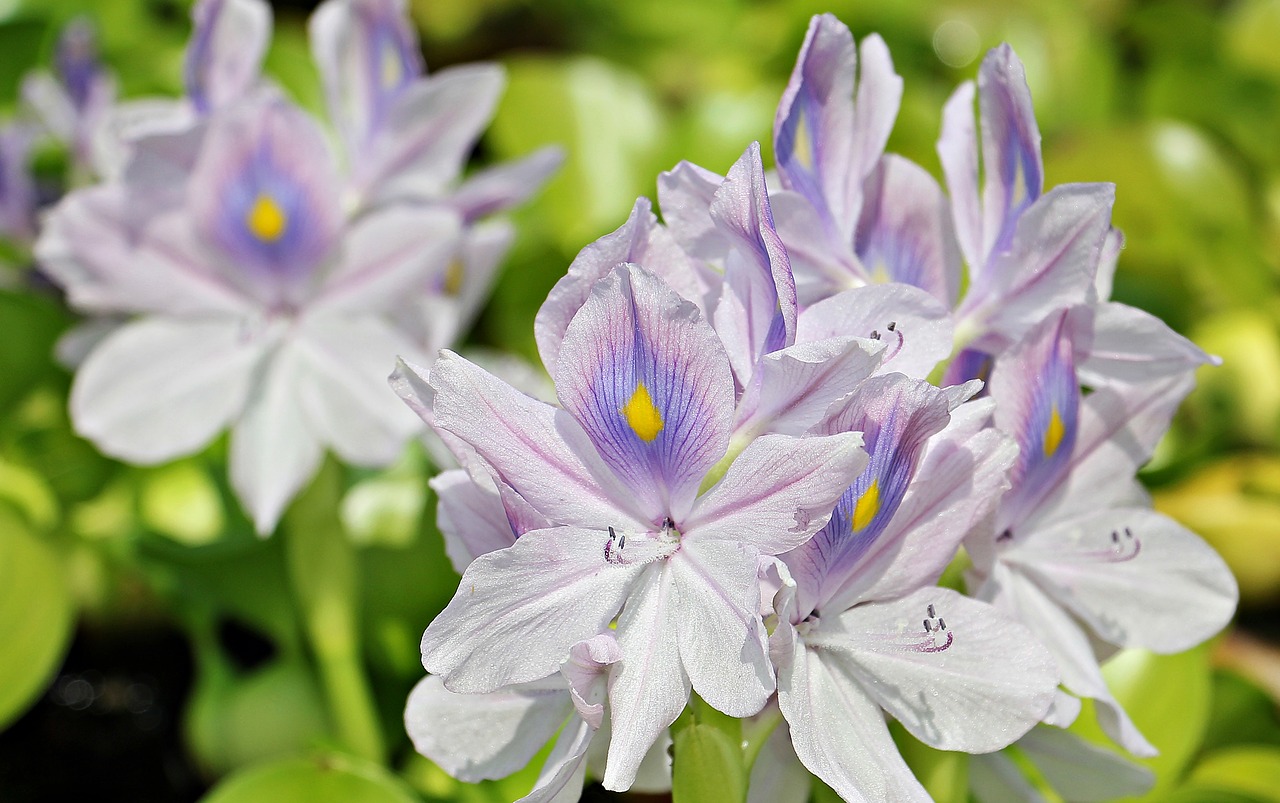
x=244 y=272
x=748 y=487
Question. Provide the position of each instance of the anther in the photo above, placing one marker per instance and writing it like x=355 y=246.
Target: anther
x=942 y=623
x=1115 y=537
x=931 y=613
x=892 y=325
x=875 y=334
x=622 y=542
x=927 y=628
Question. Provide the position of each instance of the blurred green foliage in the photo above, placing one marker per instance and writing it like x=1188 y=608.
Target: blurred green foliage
x=1177 y=102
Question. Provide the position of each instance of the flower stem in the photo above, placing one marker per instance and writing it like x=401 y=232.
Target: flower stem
x=322 y=570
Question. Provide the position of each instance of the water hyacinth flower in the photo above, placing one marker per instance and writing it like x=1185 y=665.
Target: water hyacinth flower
x=647 y=400
x=17 y=184
x=260 y=306
x=73 y=101
x=480 y=736
x=1030 y=253
x=849 y=639
x=269 y=293
x=1074 y=550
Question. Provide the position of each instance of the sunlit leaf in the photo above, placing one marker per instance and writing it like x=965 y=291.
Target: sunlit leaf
x=328 y=778
x=36 y=615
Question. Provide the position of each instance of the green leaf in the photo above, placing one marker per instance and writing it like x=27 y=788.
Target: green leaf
x=1247 y=770
x=29 y=326
x=235 y=720
x=181 y=501
x=1168 y=698
x=36 y=615
x=324 y=779
x=945 y=775
x=610 y=126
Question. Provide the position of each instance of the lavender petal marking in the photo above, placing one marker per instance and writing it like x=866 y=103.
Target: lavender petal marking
x=897 y=416
x=76 y=61
x=368 y=55
x=1010 y=147
x=224 y=56
x=814 y=120
x=1037 y=403
x=758 y=272
x=969 y=364
x=904 y=233
x=265 y=193
x=648 y=381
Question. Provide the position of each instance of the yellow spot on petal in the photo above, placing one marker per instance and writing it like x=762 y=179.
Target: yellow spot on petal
x=392 y=70
x=642 y=415
x=867 y=507
x=880 y=273
x=266 y=220
x=802 y=147
x=1053 y=433
x=453 y=276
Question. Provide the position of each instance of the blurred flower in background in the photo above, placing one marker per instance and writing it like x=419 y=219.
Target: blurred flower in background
x=269 y=274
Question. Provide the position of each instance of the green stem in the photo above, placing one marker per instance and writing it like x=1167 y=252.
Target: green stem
x=322 y=569
x=756 y=732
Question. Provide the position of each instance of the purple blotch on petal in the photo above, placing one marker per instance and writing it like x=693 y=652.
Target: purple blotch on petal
x=896 y=415
x=648 y=381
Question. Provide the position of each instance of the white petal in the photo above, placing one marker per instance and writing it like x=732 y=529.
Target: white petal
x=921 y=332
x=838 y=733
x=562 y=776
x=474 y=737
x=1136 y=577
x=586 y=671
x=798 y=384
x=506 y=184
x=1013 y=593
x=470 y=516
x=389 y=255
x=1131 y=346
x=721 y=636
x=342 y=387
x=974 y=681
x=995 y=778
x=537 y=449
x=958 y=151
x=429 y=131
x=1080 y=771
x=779 y=491
x=649 y=688
x=273 y=450
x=519 y=610
x=162 y=387
x=777 y=776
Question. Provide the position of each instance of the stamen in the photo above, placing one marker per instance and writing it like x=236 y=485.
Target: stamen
x=931 y=629
x=1122 y=549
